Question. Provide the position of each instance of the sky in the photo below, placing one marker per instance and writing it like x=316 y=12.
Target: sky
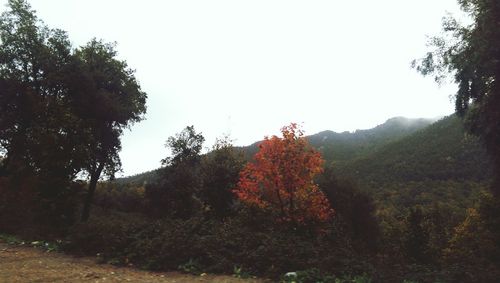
x=247 y=68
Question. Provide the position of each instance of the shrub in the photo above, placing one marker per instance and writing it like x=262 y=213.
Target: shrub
x=249 y=242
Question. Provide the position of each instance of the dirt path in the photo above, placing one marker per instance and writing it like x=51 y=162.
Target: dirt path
x=26 y=264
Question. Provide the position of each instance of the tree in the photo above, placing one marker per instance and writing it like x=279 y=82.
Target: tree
x=471 y=53
x=35 y=70
x=417 y=238
x=186 y=147
x=38 y=131
x=62 y=111
x=281 y=179
x=353 y=207
x=175 y=193
x=107 y=101
x=220 y=169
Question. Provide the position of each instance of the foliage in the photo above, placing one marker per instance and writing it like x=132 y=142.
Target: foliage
x=48 y=246
x=37 y=129
x=175 y=192
x=247 y=241
x=220 y=171
x=239 y=272
x=281 y=179
x=62 y=110
x=474 y=248
x=191 y=267
x=25 y=213
x=417 y=238
x=365 y=235
x=354 y=208
x=443 y=151
x=125 y=198
x=11 y=240
x=109 y=84
x=198 y=184
x=345 y=146
x=186 y=147
x=440 y=163
x=470 y=54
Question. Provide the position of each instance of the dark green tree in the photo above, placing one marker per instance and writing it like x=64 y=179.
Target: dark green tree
x=108 y=100
x=186 y=147
x=220 y=170
x=35 y=68
x=417 y=237
x=471 y=53
x=38 y=131
x=62 y=111
x=175 y=194
x=354 y=208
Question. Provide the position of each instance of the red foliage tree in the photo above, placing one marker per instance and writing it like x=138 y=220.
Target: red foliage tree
x=281 y=179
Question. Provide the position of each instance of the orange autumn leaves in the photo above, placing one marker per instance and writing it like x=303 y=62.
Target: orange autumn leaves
x=281 y=179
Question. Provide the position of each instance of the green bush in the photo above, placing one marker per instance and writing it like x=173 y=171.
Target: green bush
x=198 y=244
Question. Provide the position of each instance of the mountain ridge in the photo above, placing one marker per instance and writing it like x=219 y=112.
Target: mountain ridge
x=346 y=145
x=400 y=126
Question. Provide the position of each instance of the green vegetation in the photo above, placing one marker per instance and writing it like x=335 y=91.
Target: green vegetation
x=406 y=201
x=397 y=227
x=62 y=111
x=470 y=54
x=347 y=146
x=443 y=151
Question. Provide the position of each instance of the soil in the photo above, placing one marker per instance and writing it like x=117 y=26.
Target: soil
x=28 y=264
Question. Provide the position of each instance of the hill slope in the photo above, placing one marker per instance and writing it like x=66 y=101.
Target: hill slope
x=399 y=150
x=442 y=151
x=346 y=146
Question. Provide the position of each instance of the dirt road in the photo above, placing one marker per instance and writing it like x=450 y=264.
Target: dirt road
x=27 y=264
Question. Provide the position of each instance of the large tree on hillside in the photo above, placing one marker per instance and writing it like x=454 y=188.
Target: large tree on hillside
x=472 y=54
x=281 y=179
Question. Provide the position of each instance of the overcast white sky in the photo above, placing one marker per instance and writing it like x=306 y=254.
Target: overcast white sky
x=247 y=68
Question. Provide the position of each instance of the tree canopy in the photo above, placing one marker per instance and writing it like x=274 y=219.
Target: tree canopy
x=281 y=179
x=62 y=110
x=471 y=53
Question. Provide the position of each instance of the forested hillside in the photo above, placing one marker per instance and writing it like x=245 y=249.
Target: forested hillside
x=442 y=151
x=440 y=165
x=346 y=146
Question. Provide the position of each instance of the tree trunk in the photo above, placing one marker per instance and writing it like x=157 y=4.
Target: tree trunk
x=94 y=177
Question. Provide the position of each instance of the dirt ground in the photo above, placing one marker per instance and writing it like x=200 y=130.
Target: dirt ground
x=27 y=264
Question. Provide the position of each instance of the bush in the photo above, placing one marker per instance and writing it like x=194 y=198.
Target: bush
x=250 y=243
x=27 y=212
